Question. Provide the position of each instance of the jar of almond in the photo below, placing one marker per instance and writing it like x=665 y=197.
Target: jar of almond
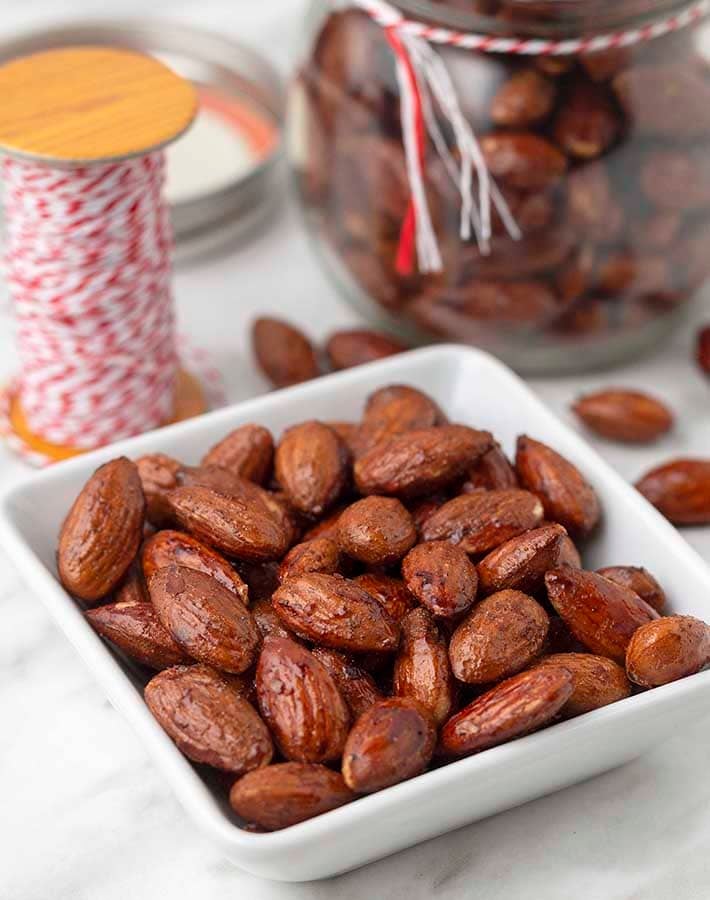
x=529 y=177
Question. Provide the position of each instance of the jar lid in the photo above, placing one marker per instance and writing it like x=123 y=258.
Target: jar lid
x=223 y=175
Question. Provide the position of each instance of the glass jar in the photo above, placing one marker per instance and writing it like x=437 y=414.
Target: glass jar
x=601 y=160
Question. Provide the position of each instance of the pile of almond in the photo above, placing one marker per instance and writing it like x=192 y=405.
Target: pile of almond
x=337 y=613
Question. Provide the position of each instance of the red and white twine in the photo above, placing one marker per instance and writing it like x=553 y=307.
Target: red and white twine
x=422 y=77
x=88 y=268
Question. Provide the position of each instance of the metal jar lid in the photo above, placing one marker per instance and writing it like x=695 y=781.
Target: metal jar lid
x=242 y=112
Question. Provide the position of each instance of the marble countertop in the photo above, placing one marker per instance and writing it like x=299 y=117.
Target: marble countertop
x=86 y=816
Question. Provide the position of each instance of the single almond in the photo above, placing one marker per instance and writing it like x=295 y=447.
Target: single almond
x=390 y=593
x=502 y=636
x=284 y=354
x=358 y=687
x=492 y=472
x=680 y=490
x=346 y=349
x=483 y=520
x=441 y=577
x=667 y=649
x=513 y=708
x=597 y=681
x=312 y=467
x=159 y=475
x=102 y=532
x=622 y=415
x=601 y=614
x=521 y=562
x=206 y=619
x=267 y=619
x=526 y=97
x=377 y=531
x=321 y=554
x=567 y=496
x=300 y=702
x=640 y=581
x=248 y=452
x=208 y=719
x=335 y=612
x=138 y=632
x=288 y=793
x=394 y=410
x=422 y=671
x=390 y=742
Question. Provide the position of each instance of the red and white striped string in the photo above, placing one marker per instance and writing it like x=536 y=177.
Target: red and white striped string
x=422 y=77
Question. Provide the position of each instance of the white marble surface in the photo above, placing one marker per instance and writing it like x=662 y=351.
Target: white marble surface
x=84 y=815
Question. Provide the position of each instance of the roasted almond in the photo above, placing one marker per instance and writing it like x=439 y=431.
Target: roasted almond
x=137 y=631
x=300 y=702
x=521 y=562
x=587 y=122
x=377 y=531
x=569 y=554
x=420 y=462
x=667 y=649
x=390 y=742
x=567 y=496
x=327 y=527
x=499 y=638
x=206 y=619
x=101 y=534
x=357 y=687
x=248 y=452
x=267 y=619
x=346 y=349
x=597 y=681
x=335 y=612
x=241 y=528
x=390 y=593
x=640 y=581
x=513 y=708
x=480 y=521
x=522 y=159
x=284 y=354
x=166 y=548
x=622 y=415
x=492 y=472
x=394 y=410
x=288 y=793
x=421 y=670
x=601 y=614
x=441 y=577
x=321 y=554
x=159 y=475
x=526 y=97
x=680 y=489
x=311 y=467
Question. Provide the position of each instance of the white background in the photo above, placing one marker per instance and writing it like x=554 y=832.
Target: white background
x=83 y=813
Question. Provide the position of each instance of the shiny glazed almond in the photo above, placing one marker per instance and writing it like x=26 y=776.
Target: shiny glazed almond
x=390 y=593
x=356 y=686
x=640 y=581
x=284 y=354
x=346 y=349
x=421 y=669
x=311 y=467
x=394 y=410
x=621 y=415
x=521 y=562
x=136 y=630
x=680 y=490
x=597 y=681
x=377 y=531
x=492 y=472
x=441 y=577
x=667 y=649
x=248 y=452
x=321 y=554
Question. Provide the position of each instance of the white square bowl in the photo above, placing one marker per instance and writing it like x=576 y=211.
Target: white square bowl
x=472 y=388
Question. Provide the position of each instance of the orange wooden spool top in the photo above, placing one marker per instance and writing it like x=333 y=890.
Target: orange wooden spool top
x=89 y=105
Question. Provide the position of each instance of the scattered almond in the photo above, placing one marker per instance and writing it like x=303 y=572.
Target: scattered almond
x=622 y=415
x=680 y=490
x=284 y=354
x=346 y=349
x=667 y=649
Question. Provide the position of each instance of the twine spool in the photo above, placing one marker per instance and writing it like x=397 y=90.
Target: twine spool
x=88 y=248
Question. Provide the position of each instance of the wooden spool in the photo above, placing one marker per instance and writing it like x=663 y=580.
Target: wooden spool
x=87 y=106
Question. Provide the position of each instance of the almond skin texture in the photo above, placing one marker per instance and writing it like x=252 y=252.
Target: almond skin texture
x=267 y=619
x=483 y=520
x=521 y=562
x=667 y=649
x=288 y=793
x=377 y=531
x=206 y=619
x=390 y=593
x=501 y=637
x=335 y=612
x=599 y=613
x=243 y=529
x=284 y=354
x=318 y=555
x=356 y=686
x=166 y=548
x=597 y=681
x=311 y=467
x=567 y=496
x=513 y=708
x=158 y=474
x=102 y=532
x=392 y=741
x=420 y=462
x=136 y=630
x=441 y=577
x=569 y=554
x=394 y=410
x=208 y=719
x=421 y=670
x=346 y=349
x=640 y=581
x=629 y=416
x=248 y=452
x=680 y=490
x=492 y=472
x=300 y=702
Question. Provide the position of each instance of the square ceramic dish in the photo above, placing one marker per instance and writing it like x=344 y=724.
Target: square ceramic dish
x=474 y=389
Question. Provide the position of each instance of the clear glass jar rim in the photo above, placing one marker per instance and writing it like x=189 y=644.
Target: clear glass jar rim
x=572 y=21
